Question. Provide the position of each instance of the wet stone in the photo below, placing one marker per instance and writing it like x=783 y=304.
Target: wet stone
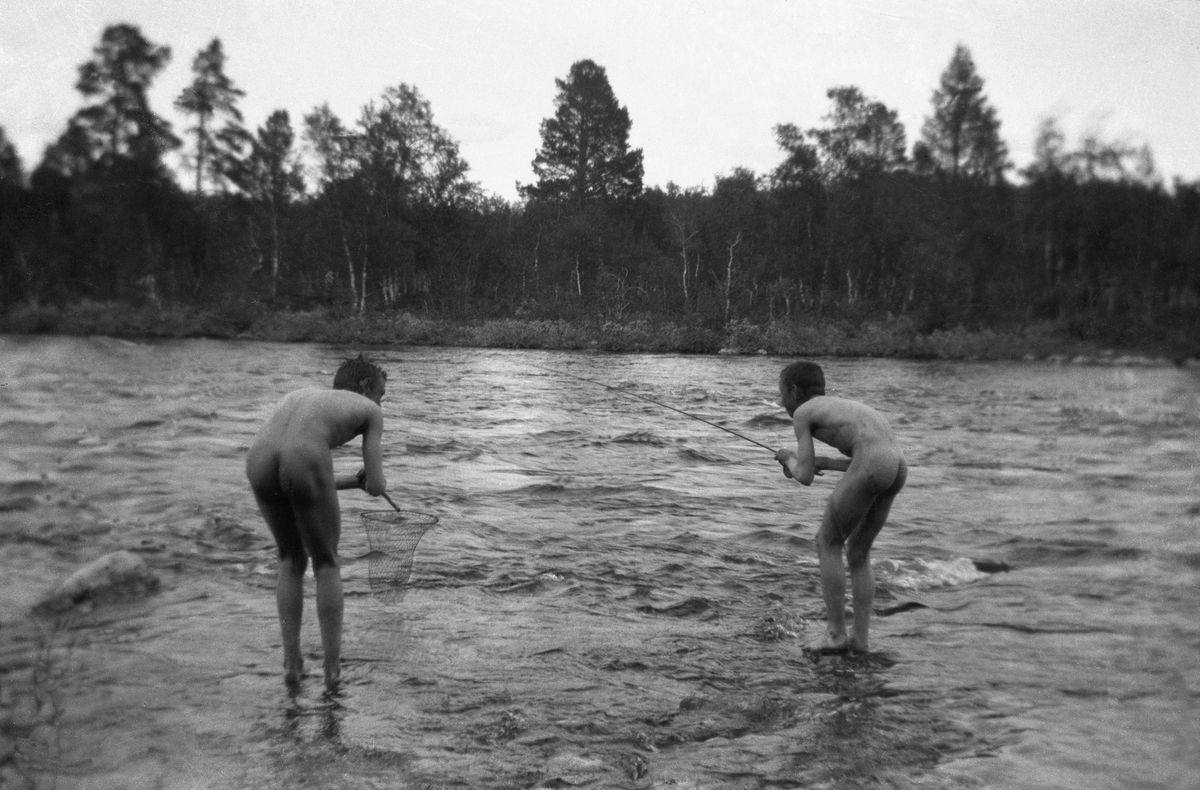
x=117 y=575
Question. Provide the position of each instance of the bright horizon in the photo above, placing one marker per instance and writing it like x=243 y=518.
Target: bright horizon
x=704 y=82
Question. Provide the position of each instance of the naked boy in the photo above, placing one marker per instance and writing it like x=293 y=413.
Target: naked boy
x=859 y=505
x=290 y=468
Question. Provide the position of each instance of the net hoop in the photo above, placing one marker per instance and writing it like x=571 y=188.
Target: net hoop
x=392 y=537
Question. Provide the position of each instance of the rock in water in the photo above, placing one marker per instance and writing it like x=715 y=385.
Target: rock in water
x=992 y=566
x=116 y=575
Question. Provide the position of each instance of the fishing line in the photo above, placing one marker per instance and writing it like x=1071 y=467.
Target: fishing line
x=655 y=402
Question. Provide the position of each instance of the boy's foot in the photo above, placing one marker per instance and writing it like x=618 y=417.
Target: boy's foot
x=292 y=681
x=828 y=645
x=293 y=672
x=333 y=679
x=292 y=677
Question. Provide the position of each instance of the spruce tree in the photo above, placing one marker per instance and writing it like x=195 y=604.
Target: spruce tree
x=962 y=137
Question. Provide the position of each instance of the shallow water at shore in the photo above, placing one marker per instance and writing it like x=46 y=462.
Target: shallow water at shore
x=616 y=595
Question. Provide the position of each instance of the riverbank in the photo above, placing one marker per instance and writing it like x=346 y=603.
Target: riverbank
x=885 y=336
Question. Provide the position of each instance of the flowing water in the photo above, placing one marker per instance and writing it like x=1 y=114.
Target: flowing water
x=615 y=596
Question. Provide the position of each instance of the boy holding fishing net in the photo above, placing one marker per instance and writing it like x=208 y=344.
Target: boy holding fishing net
x=859 y=505
x=290 y=468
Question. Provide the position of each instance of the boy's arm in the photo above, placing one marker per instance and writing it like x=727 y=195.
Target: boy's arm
x=350 y=481
x=801 y=464
x=832 y=464
x=373 y=482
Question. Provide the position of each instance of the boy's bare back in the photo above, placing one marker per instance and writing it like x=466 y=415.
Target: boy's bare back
x=309 y=422
x=843 y=424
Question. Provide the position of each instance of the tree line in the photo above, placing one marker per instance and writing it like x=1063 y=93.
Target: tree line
x=381 y=214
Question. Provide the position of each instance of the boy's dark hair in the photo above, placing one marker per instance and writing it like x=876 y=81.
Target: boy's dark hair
x=353 y=372
x=805 y=376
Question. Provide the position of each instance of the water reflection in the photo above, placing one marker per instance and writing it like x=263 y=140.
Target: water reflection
x=306 y=722
x=854 y=676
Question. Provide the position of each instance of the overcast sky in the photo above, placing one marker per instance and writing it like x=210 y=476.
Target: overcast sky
x=705 y=82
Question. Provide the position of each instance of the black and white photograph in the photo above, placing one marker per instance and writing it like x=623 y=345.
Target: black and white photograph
x=682 y=395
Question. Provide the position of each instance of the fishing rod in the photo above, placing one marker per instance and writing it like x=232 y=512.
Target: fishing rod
x=655 y=402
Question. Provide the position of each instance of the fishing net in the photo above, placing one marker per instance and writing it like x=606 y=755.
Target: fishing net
x=392 y=537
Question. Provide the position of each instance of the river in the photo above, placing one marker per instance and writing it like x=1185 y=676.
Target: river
x=615 y=595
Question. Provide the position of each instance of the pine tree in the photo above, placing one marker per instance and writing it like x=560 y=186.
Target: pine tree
x=962 y=137
x=119 y=123
x=585 y=150
x=105 y=174
x=210 y=97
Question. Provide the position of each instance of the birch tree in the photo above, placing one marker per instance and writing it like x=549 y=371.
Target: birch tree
x=273 y=179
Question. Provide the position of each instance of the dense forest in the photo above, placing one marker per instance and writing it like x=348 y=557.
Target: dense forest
x=379 y=214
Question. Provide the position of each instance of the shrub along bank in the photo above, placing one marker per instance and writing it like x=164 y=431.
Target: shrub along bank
x=886 y=337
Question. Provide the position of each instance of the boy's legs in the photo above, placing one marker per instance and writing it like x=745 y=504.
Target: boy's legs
x=318 y=519
x=289 y=581
x=858 y=556
x=833 y=573
x=851 y=513
x=289 y=601
x=330 y=606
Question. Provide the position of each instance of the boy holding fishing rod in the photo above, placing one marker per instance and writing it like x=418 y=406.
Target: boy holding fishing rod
x=859 y=505
x=290 y=468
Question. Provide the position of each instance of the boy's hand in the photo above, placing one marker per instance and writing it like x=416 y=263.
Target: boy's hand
x=786 y=458
x=361 y=476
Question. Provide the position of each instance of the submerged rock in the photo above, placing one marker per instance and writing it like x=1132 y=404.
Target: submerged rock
x=120 y=574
